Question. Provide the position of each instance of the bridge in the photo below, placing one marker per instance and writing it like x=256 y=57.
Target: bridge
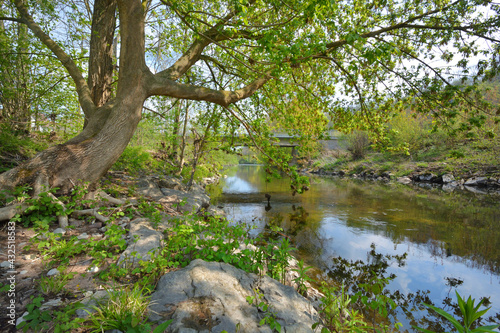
x=286 y=140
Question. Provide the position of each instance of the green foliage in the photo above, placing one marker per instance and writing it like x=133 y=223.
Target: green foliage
x=136 y=160
x=269 y=316
x=125 y=310
x=57 y=321
x=469 y=312
x=53 y=285
x=302 y=278
x=357 y=142
x=336 y=312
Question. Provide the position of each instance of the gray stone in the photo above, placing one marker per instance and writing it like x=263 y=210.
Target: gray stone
x=404 y=180
x=5 y=264
x=185 y=201
x=114 y=330
x=50 y=304
x=426 y=177
x=24 y=272
x=476 y=181
x=52 y=272
x=83 y=236
x=147 y=240
x=148 y=188
x=170 y=182
x=89 y=303
x=447 y=178
x=21 y=319
x=210 y=295
x=59 y=231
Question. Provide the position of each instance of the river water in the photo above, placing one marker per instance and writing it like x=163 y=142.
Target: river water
x=452 y=240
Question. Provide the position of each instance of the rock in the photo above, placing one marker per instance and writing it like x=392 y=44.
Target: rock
x=211 y=297
x=96 y=225
x=425 y=177
x=186 y=201
x=5 y=264
x=148 y=240
x=30 y=257
x=50 y=304
x=53 y=271
x=171 y=182
x=476 y=181
x=447 y=178
x=404 y=180
x=148 y=188
x=83 y=236
x=90 y=302
x=21 y=319
x=24 y=272
x=60 y=231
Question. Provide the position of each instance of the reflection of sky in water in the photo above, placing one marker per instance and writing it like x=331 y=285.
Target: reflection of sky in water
x=348 y=223
x=237 y=185
x=422 y=271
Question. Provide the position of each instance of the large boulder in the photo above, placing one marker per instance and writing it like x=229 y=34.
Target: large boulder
x=211 y=297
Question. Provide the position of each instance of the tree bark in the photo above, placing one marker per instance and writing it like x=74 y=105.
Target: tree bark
x=101 y=51
x=109 y=128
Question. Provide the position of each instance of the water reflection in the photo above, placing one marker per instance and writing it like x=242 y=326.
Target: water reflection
x=446 y=236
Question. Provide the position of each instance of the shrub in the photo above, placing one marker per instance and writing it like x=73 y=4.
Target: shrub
x=357 y=142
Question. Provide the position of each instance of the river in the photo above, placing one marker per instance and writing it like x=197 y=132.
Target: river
x=452 y=240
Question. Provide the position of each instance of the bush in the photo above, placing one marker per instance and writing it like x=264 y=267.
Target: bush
x=136 y=160
x=357 y=142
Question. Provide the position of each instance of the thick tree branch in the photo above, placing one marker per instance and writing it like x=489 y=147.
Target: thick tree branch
x=73 y=70
x=192 y=55
x=165 y=87
x=13 y=19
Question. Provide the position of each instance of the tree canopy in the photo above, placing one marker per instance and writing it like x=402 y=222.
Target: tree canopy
x=301 y=65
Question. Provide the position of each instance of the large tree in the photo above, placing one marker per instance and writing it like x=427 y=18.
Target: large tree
x=355 y=59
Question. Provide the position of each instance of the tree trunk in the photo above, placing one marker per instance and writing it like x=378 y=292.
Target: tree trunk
x=109 y=128
x=85 y=158
x=101 y=51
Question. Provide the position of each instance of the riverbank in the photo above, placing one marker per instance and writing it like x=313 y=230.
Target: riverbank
x=125 y=261
x=479 y=175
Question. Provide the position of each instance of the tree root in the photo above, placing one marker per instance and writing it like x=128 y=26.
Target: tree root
x=91 y=212
x=63 y=218
x=111 y=199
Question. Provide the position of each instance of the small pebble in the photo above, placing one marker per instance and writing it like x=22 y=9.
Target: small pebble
x=83 y=236
x=53 y=271
x=23 y=272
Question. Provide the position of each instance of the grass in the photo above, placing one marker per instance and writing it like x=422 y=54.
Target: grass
x=125 y=309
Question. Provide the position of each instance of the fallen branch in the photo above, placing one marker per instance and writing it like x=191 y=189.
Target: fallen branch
x=91 y=212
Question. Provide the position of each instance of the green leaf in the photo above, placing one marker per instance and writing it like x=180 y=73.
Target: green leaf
x=449 y=317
